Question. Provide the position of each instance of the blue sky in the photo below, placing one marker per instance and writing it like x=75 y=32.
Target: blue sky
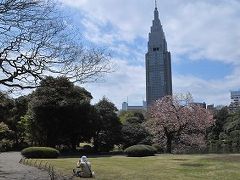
x=203 y=37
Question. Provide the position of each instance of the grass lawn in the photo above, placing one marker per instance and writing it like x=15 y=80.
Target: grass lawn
x=159 y=167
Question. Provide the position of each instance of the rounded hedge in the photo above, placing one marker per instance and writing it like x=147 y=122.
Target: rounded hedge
x=140 y=151
x=158 y=148
x=40 y=152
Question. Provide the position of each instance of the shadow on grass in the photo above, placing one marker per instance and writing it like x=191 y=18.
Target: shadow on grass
x=180 y=159
x=91 y=155
x=192 y=165
x=225 y=158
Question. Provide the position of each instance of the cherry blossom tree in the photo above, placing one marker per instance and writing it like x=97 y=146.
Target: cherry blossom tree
x=177 y=123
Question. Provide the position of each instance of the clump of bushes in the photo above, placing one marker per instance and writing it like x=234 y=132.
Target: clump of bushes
x=40 y=152
x=140 y=151
x=87 y=149
x=5 y=145
x=159 y=148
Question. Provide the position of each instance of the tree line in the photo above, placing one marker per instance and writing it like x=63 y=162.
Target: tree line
x=224 y=136
x=60 y=114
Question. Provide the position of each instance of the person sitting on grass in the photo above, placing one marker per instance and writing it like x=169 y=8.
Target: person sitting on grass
x=83 y=168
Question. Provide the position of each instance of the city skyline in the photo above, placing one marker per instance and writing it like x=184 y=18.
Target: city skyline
x=203 y=37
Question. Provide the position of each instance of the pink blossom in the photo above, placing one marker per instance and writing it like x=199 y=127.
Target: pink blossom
x=177 y=123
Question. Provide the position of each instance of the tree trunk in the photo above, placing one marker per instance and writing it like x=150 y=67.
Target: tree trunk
x=169 y=144
x=73 y=142
x=95 y=142
x=16 y=140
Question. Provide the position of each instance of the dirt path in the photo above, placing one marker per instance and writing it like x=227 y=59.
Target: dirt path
x=11 y=169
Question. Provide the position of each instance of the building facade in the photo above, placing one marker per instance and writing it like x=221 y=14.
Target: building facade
x=158 y=63
x=126 y=107
x=235 y=100
x=202 y=105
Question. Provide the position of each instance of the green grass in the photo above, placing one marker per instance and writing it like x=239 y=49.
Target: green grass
x=160 y=167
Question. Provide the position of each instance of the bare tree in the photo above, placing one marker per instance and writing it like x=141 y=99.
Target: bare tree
x=177 y=121
x=35 y=41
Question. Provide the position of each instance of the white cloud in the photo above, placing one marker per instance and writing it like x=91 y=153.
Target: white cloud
x=127 y=81
x=131 y=18
x=210 y=91
x=203 y=30
x=94 y=33
x=199 y=30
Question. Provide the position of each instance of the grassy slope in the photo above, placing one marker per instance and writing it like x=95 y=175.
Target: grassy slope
x=165 y=167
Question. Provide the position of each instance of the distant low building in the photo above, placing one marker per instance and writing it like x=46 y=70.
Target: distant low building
x=235 y=100
x=203 y=105
x=210 y=107
x=126 y=107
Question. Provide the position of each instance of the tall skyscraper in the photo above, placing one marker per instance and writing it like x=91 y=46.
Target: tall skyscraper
x=158 y=63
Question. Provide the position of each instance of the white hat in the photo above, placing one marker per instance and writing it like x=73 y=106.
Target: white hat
x=84 y=159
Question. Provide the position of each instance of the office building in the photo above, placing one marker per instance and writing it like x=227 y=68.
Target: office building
x=126 y=107
x=235 y=101
x=158 y=63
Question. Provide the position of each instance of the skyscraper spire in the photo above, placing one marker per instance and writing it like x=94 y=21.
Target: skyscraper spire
x=156 y=15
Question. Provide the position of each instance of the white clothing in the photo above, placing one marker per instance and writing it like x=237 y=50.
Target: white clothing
x=85 y=167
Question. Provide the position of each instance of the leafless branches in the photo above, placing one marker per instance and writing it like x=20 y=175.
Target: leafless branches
x=35 y=42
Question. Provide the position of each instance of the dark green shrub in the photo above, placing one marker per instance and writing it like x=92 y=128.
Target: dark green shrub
x=5 y=145
x=87 y=149
x=140 y=151
x=134 y=133
x=40 y=152
x=226 y=147
x=215 y=146
x=64 y=149
x=159 y=148
x=20 y=146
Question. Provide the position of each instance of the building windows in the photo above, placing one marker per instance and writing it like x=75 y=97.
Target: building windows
x=158 y=76
x=162 y=78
